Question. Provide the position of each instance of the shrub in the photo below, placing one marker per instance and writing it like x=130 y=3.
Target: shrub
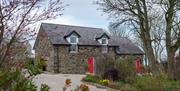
x=125 y=69
x=85 y=65
x=14 y=81
x=44 y=87
x=114 y=85
x=128 y=87
x=155 y=83
x=41 y=64
x=147 y=83
x=111 y=74
x=84 y=87
x=103 y=65
x=33 y=69
x=24 y=85
x=104 y=82
x=7 y=77
x=90 y=78
x=67 y=82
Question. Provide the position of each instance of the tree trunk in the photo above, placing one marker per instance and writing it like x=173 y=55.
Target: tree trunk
x=151 y=58
x=171 y=65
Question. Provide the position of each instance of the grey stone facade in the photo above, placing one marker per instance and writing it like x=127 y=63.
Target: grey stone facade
x=45 y=50
x=73 y=62
x=52 y=46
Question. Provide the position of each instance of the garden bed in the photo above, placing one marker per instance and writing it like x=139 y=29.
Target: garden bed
x=142 y=83
x=100 y=86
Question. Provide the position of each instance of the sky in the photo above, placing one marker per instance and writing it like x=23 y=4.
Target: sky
x=82 y=13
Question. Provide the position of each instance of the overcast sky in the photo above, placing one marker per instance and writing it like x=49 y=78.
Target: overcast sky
x=82 y=13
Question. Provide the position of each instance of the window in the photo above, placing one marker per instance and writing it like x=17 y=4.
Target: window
x=104 y=41
x=104 y=49
x=73 y=48
x=73 y=40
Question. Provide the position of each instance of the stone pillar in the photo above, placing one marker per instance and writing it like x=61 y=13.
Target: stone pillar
x=56 y=59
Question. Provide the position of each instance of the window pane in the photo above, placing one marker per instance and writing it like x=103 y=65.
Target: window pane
x=73 y=39
x=104 y=49
x=73 y=48
x=104 y=41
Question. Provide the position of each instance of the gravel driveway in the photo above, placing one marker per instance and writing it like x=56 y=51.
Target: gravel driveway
x=56 y=81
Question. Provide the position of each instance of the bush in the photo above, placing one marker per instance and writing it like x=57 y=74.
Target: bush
x=14 y=81
x=103 y=65
x=148 y=83
x=44 y=87
x=24 y=85
x=33 y=70
x=90 y=78
x=111 y=74
x=41 y=64
x=156 y=83
x=104 y=82
x=128 y=87
x=114 y=85
x=68 y=82
x=85 y=65
x=84 y=87
x=126 y=69
x=6 y=78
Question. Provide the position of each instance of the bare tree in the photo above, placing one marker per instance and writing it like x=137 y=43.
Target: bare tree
x=17 y=19
x=120 y=31
x=135 y=14
x=171 y=12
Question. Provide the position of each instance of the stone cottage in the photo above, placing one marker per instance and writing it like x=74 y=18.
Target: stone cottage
x=65 y=47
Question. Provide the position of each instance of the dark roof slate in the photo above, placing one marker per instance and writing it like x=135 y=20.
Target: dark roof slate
x=57 y=32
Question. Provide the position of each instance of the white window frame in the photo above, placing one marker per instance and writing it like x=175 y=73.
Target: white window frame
x=104 y=47
x=76 y=41
x=105 y=40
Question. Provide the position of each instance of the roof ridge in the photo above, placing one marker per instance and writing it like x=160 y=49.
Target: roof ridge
x=70 y=25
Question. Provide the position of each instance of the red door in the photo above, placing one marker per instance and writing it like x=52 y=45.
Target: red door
x=90 y=62
x=138 y=65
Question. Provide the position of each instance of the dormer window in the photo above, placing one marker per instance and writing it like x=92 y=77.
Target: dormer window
x=73 y=40
x=73 y=46
x=104 y=41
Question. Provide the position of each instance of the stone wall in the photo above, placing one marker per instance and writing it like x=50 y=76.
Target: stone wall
x=44 y=50
x=73 y=62
x=60 y=60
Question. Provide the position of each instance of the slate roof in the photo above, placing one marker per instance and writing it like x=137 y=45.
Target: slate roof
x=57 y=32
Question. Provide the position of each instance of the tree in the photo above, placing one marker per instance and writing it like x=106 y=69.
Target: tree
x=172 y=31
x=135 y=14
x=17 y=17
x=119 y=31
x=157 y=23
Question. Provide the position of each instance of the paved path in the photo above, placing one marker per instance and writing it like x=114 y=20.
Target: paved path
x=56 y=81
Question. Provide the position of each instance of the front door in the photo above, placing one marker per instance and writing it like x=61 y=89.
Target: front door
x=90 y=62
x=138 y=65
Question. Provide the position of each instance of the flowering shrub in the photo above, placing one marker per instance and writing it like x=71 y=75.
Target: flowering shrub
x=84 y=87
x=104 y=82
x=68 y=82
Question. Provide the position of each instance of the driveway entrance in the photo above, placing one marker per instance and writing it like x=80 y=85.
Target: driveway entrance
x=56 y=82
